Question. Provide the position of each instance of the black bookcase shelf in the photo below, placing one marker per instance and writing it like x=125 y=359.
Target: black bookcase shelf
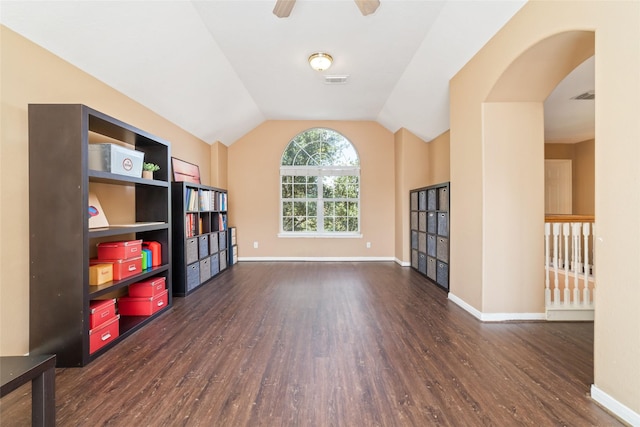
x=61 y=242
x=429 y=224
x=200 y=233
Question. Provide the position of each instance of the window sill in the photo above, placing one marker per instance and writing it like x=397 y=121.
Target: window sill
x=320 y=235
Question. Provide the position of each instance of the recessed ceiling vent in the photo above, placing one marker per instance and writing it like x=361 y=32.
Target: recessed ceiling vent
x=589 y=96
x=335 y=80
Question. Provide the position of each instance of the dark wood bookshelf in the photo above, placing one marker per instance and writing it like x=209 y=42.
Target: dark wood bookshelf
x=200 y=256
x=61 y=242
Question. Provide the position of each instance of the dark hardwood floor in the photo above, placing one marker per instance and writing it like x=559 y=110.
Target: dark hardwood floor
x=329 y=344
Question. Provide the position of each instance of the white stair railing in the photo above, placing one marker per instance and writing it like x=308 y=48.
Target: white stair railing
x=569 y=278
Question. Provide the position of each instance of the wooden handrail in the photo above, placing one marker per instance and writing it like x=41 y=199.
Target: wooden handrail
x=569 y=218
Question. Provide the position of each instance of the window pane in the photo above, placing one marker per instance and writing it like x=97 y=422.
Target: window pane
x=287 y=208
x=341 y=208
x=312 y=191
x=328 y=224
x=301 y=159
x=289 y=155
x=299 y=191
x=299 y=224
x=313 y=209
x=300 y=208
x=327 y=187
x=351 y=191
x=312 y=224
x=341 y=224
x=312 y=179
x=352 y=210
x=353 y=224
x=298 y=179
x=329 y=208
x=287 y=191
x=287 y=224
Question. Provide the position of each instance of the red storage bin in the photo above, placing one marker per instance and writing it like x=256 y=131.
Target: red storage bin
x=119 y=250
x=104 y=334
x=122 y=268
x=142 y=306
x=156 y=253
x=101 y=311
x=148 y=288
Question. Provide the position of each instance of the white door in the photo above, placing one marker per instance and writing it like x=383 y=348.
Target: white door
x=557 y=187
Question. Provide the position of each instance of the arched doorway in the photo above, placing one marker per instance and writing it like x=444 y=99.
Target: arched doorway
x=480 y=246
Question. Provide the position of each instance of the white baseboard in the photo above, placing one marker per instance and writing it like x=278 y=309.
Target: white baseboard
x=320 y=259
x=621 y=411
x=402 y=263
x=494 y=317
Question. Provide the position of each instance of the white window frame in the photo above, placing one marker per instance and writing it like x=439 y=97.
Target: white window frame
x=320 y=171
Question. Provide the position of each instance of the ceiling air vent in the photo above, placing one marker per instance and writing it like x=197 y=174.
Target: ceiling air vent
x=335 y=80
x=590 y=95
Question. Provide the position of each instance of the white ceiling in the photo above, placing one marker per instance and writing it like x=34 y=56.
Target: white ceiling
x=219 y=68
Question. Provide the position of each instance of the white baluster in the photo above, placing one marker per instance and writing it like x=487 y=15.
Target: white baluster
x=556 y=288
x=547 y=257
x=575 y=235
x=586 y=299
x=565 y=234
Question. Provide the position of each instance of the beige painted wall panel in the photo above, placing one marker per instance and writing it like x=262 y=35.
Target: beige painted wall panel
x=584 y=178
x=617 y=201
x=418 y=164
x=218 y=165
x=254 y=192
x=513 y=272
x=29 y=74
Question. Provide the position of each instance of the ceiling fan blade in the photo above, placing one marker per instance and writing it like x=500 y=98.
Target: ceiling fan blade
x=283 y=8
x=367 y=7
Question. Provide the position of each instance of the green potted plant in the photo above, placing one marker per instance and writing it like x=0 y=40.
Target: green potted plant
x=148 y=169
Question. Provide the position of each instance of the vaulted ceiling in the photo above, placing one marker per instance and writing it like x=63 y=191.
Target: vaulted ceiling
x=219 y=68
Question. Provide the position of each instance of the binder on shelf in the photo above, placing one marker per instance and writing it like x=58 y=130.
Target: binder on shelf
x=97 y=218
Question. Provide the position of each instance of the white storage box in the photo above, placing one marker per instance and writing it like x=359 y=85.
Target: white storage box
x=115 y=159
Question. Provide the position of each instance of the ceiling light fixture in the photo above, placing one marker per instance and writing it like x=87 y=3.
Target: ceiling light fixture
x=320 y=61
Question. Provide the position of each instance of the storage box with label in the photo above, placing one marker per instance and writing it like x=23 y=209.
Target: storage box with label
x=142 y=306
x=122 y=268
x=115 y=159
x=101 y=311
x=104 y=334
x=100 y=274
x=148 y=288
x=120 y=250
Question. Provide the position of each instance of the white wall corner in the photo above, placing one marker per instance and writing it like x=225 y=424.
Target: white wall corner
x=467 y=307
x=623 y=412
x=402 y=263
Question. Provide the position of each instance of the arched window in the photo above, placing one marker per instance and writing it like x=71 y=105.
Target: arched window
x=320 y=185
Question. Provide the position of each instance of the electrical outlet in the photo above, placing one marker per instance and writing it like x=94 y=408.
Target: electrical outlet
x=255 y=245
x=368 y=245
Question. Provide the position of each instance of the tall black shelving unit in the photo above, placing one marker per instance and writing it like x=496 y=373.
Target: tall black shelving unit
x=200 y=235
x=61 y=242
x=429 y=225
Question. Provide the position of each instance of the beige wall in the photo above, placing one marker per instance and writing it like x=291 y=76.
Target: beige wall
x=253 y=177
x=417 y=164
x=219 y=165
x=492 y=75
x=513 y=156
x=582 y=156
x=30 y=74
